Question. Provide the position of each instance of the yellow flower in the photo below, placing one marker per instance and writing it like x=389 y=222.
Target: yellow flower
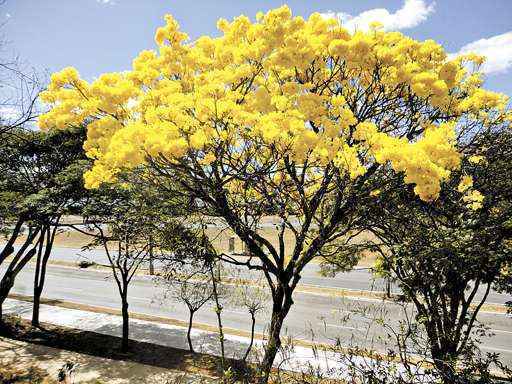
x=474 y=200
x=465 y=183
x=280 y=87
x=475 y=159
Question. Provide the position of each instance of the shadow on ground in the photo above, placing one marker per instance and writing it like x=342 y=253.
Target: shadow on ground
x=101 y=344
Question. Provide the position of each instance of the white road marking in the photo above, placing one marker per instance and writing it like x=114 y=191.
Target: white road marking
x=140 y=298
x=237 y=312
x=501 y=331
x=497 y=349
x=342 y=326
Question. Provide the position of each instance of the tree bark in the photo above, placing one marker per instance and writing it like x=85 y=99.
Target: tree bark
x=189 y=339
x=280 y=309
x=37 y=296
x=8 y=249
x=40 y=277
x=126 y=324
x=151 y=257
x=445 y=365
x=218 y=312
x=14 y=268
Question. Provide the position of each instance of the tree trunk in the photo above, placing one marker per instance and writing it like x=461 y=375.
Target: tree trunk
x=218 y=312
x=7 y=281
x=8 y=249
x=445 y=365
x=40 y=278
x=37 y=294
x=5 y=287
x=279 y=311
x=35 y=310
x=253 y=323
x=16 y=265
x=189 y=339
x=151 y=257
x=126 y=325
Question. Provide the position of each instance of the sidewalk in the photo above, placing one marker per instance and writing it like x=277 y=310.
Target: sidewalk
x=90 y=369
x=168 y=335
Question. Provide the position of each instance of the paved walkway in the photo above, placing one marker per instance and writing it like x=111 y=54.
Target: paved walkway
x=168 y=335
x=89 y=369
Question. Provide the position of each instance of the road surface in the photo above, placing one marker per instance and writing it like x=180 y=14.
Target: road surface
x=313 y=317
x=357 y=279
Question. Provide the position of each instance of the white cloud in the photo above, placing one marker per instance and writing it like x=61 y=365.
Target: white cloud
x=8 y=15
x=111 y=2
x=497 y=50
x=412 y=13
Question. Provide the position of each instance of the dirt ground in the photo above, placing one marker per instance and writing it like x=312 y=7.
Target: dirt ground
x=224 y=240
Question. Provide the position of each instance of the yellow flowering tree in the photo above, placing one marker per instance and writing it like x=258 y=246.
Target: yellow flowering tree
x=285 y=116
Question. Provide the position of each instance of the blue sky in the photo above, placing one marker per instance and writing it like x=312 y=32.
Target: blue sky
x=97 y=36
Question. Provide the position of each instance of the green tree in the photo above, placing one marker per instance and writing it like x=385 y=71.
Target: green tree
x=447 y=256
x=40 y=181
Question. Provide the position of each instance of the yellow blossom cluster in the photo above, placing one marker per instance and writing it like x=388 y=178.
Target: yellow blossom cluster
x=429 y=158
x=474 y=200
x=465 y=183
x=282 y=87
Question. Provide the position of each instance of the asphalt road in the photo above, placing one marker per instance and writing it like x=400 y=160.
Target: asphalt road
x=358 y=279
x=313 y=317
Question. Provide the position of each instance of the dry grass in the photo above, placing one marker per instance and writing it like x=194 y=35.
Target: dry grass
x=221 y=239
x=12 y=374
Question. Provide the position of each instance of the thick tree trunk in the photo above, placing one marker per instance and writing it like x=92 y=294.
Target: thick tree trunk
x=35 y=310
x=40 y=277
x=280 y=310
x=37 y=294
x=446 y=366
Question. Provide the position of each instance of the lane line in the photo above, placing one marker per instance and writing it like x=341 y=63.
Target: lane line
x=140 y=298
x=343 y=327
x=237 y=312
x=501 y=331
x=497 y=349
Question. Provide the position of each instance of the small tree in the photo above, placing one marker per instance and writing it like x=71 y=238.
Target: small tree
x=118 y=221
x=251 y=296
x=133 y=224
x=189 y=286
